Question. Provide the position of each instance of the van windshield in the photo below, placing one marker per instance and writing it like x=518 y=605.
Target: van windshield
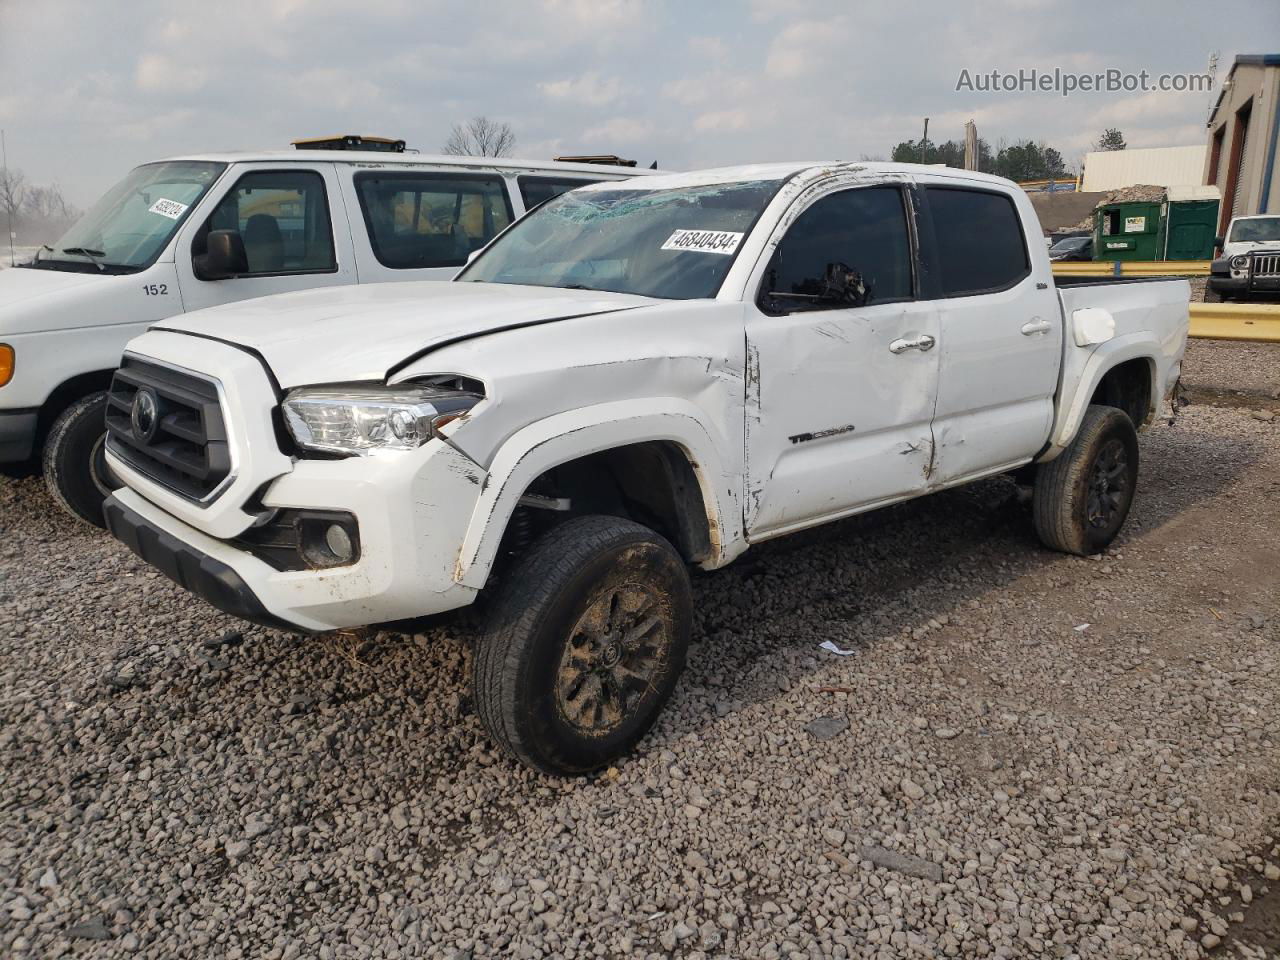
x=676 y=243
x=126 y=230
x=1256 y=229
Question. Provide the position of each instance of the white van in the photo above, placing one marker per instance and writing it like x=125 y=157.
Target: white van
x=193 y=232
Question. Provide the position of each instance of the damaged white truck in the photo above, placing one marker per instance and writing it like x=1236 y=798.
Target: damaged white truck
x=634 y=379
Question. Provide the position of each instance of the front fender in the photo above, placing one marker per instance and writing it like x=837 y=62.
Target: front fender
x=568 y=436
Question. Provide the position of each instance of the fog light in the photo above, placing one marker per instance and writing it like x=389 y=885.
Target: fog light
x=339 y=543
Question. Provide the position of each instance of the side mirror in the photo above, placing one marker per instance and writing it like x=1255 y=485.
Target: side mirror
x=842 y=284
x=1219 y=242
x=224 y=257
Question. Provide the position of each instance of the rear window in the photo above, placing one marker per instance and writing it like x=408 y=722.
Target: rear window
x=980 y=246
x=536 y=190
x=418 y=220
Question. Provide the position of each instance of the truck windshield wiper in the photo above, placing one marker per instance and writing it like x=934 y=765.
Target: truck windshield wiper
x=86 y=252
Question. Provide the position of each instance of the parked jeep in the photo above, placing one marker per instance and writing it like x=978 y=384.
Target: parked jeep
x=1249 y=265
x=636 y=378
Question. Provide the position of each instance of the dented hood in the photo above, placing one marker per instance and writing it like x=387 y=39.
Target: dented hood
x=344 y=334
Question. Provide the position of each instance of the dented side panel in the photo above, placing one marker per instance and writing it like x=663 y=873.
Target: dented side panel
x=676 y=372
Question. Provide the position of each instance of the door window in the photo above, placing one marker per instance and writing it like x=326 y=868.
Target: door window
x=431 y=220
x=282 y=216
x=854 y=240
x=980 y=246
x=536 y=190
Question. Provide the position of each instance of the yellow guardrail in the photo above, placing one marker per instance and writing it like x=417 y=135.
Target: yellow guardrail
x=1134 y=268
x=1259 y=322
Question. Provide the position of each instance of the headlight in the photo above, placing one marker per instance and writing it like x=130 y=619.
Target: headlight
x=359 y=419
x=1239 y=262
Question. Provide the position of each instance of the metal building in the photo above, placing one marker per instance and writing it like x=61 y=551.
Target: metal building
x=1243 y=129
x=1155 y=166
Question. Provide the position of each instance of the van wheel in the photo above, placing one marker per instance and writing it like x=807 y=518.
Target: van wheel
x=583 y=645
x=1082 y=498
x=75 y=464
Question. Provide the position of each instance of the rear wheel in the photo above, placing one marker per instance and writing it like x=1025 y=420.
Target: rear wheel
x=583 y=645
x=75 y=465
x=1082 y=498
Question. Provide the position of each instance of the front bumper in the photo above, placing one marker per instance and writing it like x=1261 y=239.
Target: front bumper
x=412 y=513
x=17 y=434
x=210 y=579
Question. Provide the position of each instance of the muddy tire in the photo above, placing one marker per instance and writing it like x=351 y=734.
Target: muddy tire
x=75 y=468
x=1211 y=295
x=1082 y=498
x=583 y=645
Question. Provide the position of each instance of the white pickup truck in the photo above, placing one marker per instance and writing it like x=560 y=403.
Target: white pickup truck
x=636 y=378
x=194 y=232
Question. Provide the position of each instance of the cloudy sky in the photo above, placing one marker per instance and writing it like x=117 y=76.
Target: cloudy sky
x=89 y=89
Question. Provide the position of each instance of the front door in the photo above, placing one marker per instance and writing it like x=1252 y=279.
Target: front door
x=286 y=217
x=841 y=379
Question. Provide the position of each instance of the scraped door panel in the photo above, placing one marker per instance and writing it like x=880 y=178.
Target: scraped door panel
x=837 y=421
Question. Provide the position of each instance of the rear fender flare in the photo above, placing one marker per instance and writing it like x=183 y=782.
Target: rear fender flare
x=1071 y=409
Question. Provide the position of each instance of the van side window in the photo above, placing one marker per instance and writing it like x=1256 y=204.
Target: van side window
x=980 y=246
x=418 y=220
x=283 y=218
x=536 y=190
x=863 y=230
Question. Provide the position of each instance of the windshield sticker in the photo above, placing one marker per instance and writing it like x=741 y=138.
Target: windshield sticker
x=704 y=241
x=168 y=208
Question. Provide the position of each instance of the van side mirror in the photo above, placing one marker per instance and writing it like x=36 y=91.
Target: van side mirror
x=224 y=257
x=1219 y=242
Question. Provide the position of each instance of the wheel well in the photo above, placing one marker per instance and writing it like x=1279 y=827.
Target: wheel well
x=652 y=482
x=67 y=393
x=1127 y=386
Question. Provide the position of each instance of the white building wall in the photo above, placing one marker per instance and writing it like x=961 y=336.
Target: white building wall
x=1158 y=166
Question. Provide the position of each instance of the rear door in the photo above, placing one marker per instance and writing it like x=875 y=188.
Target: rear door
x=286 y=216
x=1000 y=344
x=839 y=397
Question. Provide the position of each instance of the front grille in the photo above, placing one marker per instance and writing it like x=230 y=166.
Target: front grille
x=1267 y=266
x=186 y=450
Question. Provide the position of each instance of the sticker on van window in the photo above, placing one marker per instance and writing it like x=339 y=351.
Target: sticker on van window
x=168 y=208
x=704 y=241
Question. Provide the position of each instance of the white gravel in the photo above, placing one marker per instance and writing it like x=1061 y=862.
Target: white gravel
x=1027 y=754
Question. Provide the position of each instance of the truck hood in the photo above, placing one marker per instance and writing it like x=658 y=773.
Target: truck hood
x=24 y=283
x=345 y=334
x=1248 y=246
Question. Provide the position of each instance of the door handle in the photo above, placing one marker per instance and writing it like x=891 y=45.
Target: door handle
x=1031 y=328
x=922 y=343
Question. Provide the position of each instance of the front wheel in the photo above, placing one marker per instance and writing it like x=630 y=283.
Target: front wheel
x=1082 y=498
x=583 y=645
x=75 y=463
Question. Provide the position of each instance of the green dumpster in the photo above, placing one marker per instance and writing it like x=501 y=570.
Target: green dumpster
x=1127 y=231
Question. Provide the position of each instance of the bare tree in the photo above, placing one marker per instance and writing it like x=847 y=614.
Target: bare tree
x=480 y=137
x=48 y=204
x=13 y=193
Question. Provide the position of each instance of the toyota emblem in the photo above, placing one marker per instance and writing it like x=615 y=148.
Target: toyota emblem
x=145 y=416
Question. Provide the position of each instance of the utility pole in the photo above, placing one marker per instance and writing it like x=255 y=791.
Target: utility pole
x=971 y=146
x=4 y=164
x=924 y=141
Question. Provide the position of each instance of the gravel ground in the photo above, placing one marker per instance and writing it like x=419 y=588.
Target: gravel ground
x=1024 y=754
